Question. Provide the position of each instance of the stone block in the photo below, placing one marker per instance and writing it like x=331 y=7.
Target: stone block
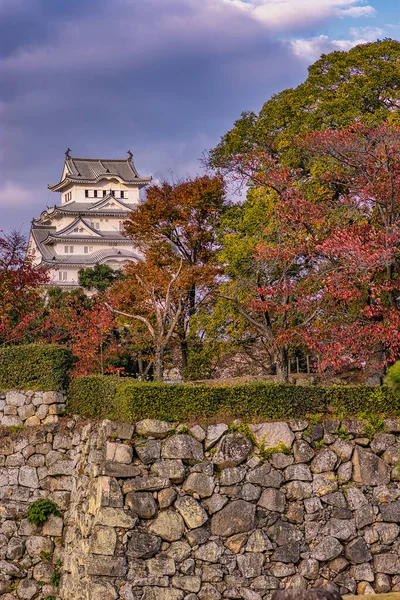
x=14 y=398
x=161 y=565
x=272 y=435
x=28 y=477
x=148 y=451
x=141 y=504
x=369 y=469
x=114 y=469
x=53 y=526
x=184 y=447
x=192 y=512
x=272 y=500
x=107 y=566
x=232 y=450
x=214 y=434
x=26 y=411
x=168 y=525
x=32 y=421
x=169 y=469
x=154 y=428
x=145 y=545
x=236 y=517
x=201 y=484
x=37 y=544
x=119 y=453
x=103 y=541
x=11 y=421
x=115 y=517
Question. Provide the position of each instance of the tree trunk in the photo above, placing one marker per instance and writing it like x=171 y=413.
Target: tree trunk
x=158 y=362
x=282 y=365
x=184 y=353
x=140 y=364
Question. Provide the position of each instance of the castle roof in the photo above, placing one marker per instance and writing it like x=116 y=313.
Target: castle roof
x=91 y=170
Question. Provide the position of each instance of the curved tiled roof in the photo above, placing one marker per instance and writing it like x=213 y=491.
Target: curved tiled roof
x=91 y=170
x=100 y=256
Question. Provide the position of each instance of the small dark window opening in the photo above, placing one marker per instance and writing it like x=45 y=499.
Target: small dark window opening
x=104 y=193
x=86 y=193
x=122 y=194
x=95 y=193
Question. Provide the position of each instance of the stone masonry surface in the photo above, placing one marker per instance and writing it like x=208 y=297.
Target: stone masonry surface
x=161 y=511
x=30 y=408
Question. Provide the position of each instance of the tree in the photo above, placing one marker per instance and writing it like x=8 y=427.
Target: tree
x=20 y=289
x=329 y=253
x=361 y=85
x=86 y=326
x=268 y=259
x=153 y=293
x=100 y=277
x=181 y=221
x=361 y=275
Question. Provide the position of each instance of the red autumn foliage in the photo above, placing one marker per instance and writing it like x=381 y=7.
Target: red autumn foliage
x=332 y=269
x=20 y=281
x=87 y=327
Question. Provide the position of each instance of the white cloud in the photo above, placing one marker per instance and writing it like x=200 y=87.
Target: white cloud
x=294 y=13
x=357 y=11
x=370 y=34
x=310 y=49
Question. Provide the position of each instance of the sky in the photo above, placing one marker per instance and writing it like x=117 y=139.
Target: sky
x=164 y=78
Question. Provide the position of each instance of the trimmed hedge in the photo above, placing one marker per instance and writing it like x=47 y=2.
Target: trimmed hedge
x=35 y=367
x=123 y=399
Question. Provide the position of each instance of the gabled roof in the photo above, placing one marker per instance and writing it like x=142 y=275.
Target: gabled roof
x=91 y=170
x=68 y=231
x=110 y=202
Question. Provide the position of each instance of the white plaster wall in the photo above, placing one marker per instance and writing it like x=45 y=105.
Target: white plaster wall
x=78 y=191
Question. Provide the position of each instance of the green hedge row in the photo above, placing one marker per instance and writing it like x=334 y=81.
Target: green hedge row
x=127 y=400
x=35 y=367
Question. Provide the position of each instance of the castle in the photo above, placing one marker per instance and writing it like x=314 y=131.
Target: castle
x=86 y=227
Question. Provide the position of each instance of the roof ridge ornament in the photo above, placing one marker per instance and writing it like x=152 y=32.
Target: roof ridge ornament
x=130 y=155
x=67 y=154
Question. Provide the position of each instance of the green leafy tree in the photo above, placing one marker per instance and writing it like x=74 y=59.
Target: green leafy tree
x=361 y=85
x=100 y=277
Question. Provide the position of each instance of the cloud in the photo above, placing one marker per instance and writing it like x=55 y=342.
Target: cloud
x=369 y=34
x=357 y=11
x=309 y=49
x=283 y=14
x=165 y=78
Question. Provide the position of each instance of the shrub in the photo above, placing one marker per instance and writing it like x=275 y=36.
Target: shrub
x=392 y=378
x=40 y=510
x=35 y=367
x=124 y=399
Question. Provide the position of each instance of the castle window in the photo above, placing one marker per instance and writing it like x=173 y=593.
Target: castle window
x=86 y=193
x=95 y=193
x=95 y=225
x=104 y=193
x=62 y=275
x=122 y=194
x=87 y=249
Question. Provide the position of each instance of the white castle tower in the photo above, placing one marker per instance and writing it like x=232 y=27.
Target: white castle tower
x=85 y=228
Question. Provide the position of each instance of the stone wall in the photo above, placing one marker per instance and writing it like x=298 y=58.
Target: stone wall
x=30 y=408
x=168 y=512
